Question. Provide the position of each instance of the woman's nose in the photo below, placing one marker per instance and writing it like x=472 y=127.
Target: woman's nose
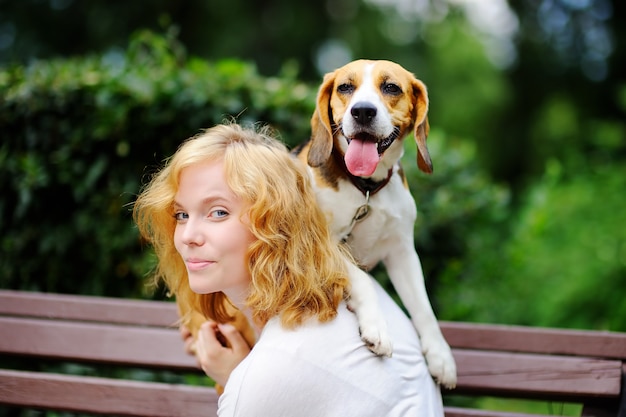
x=192 y=234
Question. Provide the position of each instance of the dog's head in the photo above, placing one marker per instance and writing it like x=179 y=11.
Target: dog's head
x=365 y=108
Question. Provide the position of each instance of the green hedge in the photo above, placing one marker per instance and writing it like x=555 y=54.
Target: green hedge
x=80 y=136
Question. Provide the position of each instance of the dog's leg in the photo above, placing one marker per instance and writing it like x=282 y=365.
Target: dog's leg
x=363 y=301
x=405 y=271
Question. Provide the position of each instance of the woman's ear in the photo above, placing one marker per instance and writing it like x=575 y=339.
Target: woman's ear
x=321 y=127
x=421 y=127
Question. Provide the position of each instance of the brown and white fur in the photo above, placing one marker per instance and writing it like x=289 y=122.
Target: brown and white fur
x=364 y=111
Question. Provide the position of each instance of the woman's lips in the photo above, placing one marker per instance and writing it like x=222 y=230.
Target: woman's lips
x=197 y=264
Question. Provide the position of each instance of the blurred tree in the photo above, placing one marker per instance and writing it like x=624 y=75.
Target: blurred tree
x=493 y=69
x=267 y=31
x=568 y=73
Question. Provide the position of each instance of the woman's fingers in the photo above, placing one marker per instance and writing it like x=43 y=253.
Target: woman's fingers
x=217 y=358
x=235 y=339
x=188 y=339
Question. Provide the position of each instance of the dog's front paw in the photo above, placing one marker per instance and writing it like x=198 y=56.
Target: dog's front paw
x=376 y=338
x=441 y=364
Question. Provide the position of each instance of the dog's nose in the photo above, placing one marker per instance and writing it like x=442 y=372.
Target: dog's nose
x=363 y=112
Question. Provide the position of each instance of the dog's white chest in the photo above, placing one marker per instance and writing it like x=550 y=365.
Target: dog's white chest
x=371 y=228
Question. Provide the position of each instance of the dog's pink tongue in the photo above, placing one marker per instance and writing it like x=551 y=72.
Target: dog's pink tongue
x=362 y=157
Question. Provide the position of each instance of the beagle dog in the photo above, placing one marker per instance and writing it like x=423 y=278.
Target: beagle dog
x=364 y=111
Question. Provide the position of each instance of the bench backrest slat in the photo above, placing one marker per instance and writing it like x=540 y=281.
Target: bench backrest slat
x=105 y=396
x=602 y=344
x=94 y=342
x=468 y=412
x=531 y=375
x=88 y=308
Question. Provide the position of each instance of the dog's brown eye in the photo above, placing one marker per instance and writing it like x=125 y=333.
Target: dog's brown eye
x=345 y=88
x=389 y=88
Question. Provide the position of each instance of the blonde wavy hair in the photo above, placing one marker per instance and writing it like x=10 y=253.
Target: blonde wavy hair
x=297 y=270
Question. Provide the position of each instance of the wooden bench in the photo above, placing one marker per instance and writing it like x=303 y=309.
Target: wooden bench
x=40 y=331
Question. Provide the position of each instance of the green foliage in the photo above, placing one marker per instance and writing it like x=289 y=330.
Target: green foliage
x=457 y=206
x=77 y=136
x=564 y=262
x=464 y=102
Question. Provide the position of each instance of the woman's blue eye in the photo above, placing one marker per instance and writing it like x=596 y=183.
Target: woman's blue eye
x=219 y=213
x=181 y=215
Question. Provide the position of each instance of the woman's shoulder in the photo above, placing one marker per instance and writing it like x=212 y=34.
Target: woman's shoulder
x=282 y=382
x=341 y=336
x=343 y=325
x=298 y=367
x=337 y=376
x=309 y=348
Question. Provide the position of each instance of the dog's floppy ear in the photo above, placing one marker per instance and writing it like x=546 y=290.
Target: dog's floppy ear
x=421 y=127
x=321 y=129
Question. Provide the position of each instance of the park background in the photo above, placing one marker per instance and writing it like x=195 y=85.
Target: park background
x=522 y=222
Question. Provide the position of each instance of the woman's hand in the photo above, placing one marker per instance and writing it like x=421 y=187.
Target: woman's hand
x=188 y=340
x=218 y=359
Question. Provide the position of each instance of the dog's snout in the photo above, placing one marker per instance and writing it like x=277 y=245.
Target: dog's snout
x=363 y=112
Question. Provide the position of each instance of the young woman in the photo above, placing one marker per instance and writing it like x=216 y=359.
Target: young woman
x=232 y=216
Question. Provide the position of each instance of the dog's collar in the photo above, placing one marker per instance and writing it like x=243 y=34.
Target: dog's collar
x=368 y=185
x=365 y=185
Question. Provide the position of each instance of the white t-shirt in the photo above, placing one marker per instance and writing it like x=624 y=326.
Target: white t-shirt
x=325 y=370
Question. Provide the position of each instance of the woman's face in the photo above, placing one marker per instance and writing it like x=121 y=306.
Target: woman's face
x=210 y=235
